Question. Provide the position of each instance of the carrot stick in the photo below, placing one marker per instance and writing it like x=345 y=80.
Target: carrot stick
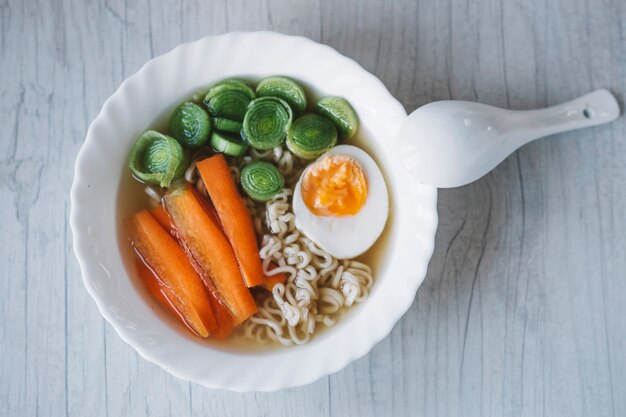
x=234 y=217
x=160 y=252
x=271 y=280
x=168 y=300
x=223 y=316
x=207 y=206
x=163 y=218
x=210 y=249
x=225 y=322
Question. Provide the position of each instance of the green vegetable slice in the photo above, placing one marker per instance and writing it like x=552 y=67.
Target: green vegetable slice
x=157 y=159
x=261 y=180
x=341 y=112
x=229 y=99
x=227 y=144
x=200 y=94
x=266 y=123
x=190 y=125
x=284 y=88
x=232 y=81
x=226 y=125
x=311 y=135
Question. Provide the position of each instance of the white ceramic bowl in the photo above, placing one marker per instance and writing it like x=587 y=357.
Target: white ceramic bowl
x=152 y=93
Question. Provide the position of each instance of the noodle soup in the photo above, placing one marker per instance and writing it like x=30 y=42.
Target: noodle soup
x=305 y=288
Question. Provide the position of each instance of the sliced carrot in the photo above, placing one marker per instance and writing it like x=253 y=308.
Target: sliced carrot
x=162 y=294
x=233 y=216
x=225 y=322
x=162 y=254
x=160 y=215
x=209 y=247
x=207 y=206
x=271 y=280
x=223 y=316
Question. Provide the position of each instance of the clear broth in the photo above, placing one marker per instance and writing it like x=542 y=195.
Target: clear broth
x=131 y=198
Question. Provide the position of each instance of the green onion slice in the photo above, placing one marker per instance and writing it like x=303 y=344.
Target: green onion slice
x=266 y=123
x=229 y=98
x=261 y=180
x=190 y=125
x=341 y=112
x=226 y=125
x=157 y=159
x=227 y=144
x=311 y=135
x=284 y=88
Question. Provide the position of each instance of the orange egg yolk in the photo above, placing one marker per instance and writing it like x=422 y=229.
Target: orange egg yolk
x=334 y=186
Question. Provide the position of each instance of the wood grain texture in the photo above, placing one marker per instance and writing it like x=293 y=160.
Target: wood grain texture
x=523 y=312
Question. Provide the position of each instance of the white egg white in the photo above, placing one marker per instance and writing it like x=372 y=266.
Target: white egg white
x=346 y=237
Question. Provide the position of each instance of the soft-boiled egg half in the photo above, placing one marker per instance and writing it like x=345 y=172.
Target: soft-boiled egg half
x=341 y=202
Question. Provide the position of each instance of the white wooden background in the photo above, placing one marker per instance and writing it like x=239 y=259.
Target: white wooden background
x=523 y=312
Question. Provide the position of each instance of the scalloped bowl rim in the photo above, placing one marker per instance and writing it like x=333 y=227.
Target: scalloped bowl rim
x=353 y=337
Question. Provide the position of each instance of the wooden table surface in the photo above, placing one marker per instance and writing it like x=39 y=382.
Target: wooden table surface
x=523 y=311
